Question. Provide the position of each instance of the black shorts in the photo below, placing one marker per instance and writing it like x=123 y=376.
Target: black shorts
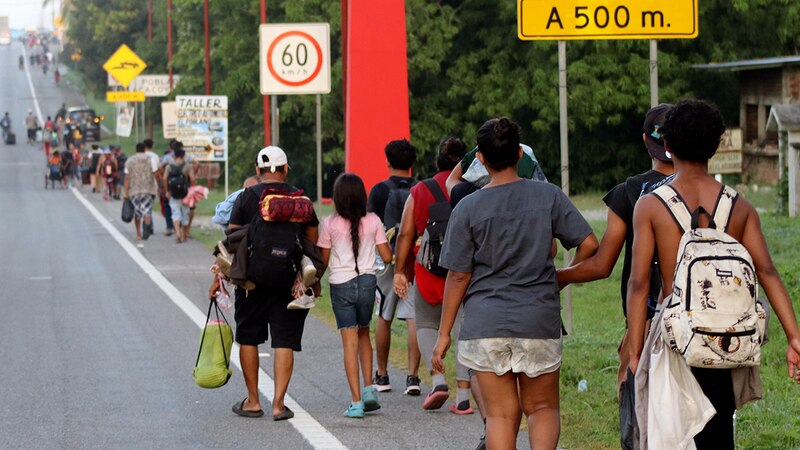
x=262 y=313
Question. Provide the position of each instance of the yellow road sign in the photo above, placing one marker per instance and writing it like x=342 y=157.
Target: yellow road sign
x=606 y=19
x=124 y=65
x=124 y=96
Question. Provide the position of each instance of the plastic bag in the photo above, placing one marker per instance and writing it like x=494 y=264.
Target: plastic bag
x=127 y=210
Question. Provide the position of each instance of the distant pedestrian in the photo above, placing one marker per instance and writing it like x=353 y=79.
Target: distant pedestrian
x=148 y=150
x=169 y=158
x=177 y=179
x=166 y=211
x=57 y=76
x=5 y=125
x=94 y=162
x=498 y=253
x=107 y=170
x=67 y=167
x=141 y=188
x=387 y=200
x=49 y=137
x=348 y=240
x=427 y=291
x=262 y=312
x=31 y=124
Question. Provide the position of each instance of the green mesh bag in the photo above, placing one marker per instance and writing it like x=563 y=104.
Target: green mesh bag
x=212 y=368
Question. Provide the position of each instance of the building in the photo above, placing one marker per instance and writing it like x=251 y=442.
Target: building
x=763 y=83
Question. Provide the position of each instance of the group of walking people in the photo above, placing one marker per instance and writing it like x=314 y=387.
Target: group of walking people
x=489 y=275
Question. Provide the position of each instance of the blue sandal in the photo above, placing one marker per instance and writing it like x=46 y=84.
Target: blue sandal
x=370 y=397
x=355 y=411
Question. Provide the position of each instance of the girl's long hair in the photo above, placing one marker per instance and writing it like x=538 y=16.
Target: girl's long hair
x=350 y=201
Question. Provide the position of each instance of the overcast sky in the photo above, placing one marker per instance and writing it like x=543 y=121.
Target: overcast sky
x=29 y=13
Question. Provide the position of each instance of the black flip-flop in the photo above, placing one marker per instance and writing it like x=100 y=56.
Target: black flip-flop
x=238 y=408
x=284 y=415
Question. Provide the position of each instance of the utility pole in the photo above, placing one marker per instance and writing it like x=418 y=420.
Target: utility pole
x=208 y=52
x=265 y=99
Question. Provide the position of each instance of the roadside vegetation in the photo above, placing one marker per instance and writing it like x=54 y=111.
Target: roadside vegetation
x=465 y=65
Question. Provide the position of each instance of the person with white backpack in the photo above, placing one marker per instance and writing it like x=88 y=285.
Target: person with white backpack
x=712 y=255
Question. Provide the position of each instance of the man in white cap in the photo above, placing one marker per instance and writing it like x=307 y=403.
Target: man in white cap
x=31 y=123
x=262 y=312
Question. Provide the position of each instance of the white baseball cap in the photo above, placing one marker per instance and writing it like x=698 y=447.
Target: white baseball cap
x=271 y=157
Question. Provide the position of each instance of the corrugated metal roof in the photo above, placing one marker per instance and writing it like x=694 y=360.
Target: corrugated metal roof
x=751 y=64
x=784 y=118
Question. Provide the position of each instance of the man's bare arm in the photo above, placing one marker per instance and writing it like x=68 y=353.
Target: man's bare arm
x=600 y=264
x=639 y=282
x=770 y=279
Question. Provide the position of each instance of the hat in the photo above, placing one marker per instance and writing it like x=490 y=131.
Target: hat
x=271 y=157
x=654 y=141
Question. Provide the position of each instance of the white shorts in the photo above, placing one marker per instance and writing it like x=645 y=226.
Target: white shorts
x=533 y=357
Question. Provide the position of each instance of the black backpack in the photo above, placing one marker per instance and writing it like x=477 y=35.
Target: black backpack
x=274 y=250
x=433 y=237
x=396 y=201
x=177 y=181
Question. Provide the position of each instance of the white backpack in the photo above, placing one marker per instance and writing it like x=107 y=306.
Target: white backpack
x=712 y=317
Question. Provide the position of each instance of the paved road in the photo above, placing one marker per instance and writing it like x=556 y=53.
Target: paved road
x=98 y=346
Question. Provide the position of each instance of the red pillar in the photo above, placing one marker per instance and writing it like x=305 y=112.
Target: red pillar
x=376 y=84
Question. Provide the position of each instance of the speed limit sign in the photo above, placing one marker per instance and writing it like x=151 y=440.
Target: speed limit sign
x=295 y=58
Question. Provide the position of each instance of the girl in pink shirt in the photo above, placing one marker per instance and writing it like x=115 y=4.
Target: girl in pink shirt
x=349 y=240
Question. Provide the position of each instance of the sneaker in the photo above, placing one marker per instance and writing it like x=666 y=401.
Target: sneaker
x=436 y=398
x=146 y=232
x=370 y=398
x=381 y=383
x=355 y=411
x=305 y=301
x=462 y=408
x=412 y=385
x=309 y=271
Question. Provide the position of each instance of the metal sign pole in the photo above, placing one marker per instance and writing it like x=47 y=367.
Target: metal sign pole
x=653 y=73
x=275 y=119
x=319 y=148
x=566 y=293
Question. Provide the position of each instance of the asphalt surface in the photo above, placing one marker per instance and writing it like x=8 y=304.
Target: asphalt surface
x=96 y=355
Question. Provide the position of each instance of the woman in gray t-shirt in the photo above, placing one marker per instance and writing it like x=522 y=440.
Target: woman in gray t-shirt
x=498 y=252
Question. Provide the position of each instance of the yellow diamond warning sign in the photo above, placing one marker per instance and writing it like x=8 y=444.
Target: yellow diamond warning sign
x=124 y=65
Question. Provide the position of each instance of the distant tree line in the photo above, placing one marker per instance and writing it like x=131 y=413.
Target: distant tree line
x=465 y=65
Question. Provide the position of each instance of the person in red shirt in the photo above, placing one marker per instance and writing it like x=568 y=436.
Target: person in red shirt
x=428 y=290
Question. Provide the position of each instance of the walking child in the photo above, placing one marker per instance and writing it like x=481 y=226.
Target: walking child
x=348 y=241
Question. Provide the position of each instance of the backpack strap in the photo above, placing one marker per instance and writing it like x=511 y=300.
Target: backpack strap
x=724 y=207
x=676 y=206
x=391 y=184
x=436 y=190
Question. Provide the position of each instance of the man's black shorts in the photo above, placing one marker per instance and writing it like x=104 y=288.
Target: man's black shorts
x=262 y=313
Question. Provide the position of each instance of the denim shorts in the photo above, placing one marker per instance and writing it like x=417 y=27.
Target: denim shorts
x=353 y=301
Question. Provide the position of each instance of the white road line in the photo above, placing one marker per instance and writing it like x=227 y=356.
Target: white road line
x=30 y=85
x=303 y=422
x=308 y=427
